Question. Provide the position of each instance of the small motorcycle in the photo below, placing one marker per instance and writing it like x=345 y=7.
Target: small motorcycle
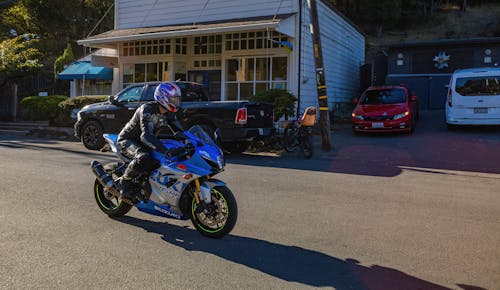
x=299 y=133
x=182 y=187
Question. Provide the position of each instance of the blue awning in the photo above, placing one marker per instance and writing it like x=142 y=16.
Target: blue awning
x=84 y=69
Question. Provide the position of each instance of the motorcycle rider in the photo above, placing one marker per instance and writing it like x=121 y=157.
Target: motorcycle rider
x=138 y=138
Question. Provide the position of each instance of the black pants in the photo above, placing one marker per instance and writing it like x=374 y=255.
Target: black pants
x=142 y=161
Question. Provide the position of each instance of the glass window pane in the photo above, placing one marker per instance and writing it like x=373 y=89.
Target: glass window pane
x=260 y=87
x=279 y=86
x=231 y=69
x=246 y=91
x=243 y=44
x=236 y=45
x=247 y=66
x=152 y=72
x=262 y=69
x=280 y=68
x=140 y=72
x=259 y=43
x=231 y=92
x=251 y=44
x=128 y=73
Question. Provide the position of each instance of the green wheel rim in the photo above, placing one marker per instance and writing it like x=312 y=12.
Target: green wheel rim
x=104 y=205
x=202 y=227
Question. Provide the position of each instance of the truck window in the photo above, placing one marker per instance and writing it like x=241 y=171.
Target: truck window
x=150 y=93
x=478 y=86
x=132 y=94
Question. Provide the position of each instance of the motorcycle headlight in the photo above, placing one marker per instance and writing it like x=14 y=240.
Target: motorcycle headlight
x=402 y=115
x=220 y=161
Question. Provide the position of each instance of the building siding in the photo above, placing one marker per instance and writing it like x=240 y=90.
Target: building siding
x=343 y=53
x=148 y=13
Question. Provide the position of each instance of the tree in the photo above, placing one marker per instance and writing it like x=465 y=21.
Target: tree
x=18 y=57
x=66 y=58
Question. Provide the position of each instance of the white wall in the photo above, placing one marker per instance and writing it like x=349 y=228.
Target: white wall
x=343 y=53
x=147 y=13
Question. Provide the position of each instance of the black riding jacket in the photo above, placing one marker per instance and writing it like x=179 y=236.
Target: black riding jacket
x=145 y=125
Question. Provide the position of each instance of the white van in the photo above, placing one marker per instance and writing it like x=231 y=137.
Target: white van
x=474 y=97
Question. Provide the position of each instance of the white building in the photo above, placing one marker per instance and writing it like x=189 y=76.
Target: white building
x=236 y=47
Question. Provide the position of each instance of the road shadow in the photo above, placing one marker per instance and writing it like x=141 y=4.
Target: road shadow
x=288 y=263
x=432 y=146
x=46 y=144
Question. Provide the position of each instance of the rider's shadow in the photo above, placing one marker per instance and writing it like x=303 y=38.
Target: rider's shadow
x=289 y=263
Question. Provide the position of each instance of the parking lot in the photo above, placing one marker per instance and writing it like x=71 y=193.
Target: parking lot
x=384 y=211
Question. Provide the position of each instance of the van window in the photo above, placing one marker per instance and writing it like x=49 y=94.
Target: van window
x=478 y=86
x=382 y=97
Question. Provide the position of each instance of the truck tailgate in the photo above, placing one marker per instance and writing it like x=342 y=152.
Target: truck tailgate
x=260 y=115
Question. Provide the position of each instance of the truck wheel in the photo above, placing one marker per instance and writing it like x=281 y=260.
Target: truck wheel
x=92 y=135
x=236 y=148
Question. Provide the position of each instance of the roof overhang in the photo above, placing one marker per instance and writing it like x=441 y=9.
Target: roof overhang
x=110 y=38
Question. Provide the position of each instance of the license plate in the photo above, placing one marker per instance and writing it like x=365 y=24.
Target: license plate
x=377 y=125
x=261 y=131
x=480 y=110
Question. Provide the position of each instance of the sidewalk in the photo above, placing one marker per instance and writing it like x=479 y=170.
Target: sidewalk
x=37 y=129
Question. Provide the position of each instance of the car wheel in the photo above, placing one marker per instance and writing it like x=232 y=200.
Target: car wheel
x=92 y=135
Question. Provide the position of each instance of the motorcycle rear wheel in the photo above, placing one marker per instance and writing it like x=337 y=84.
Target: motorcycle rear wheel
x=111 y=206
x=222 y=220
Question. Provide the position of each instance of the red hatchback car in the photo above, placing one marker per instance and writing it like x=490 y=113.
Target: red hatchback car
x=385 y=109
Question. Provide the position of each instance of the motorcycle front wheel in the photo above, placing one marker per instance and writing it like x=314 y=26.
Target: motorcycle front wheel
x=217 y=218
x=110 y=205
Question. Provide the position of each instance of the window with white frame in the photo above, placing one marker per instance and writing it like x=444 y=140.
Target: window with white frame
x=146 y=47
x=249 y=75
x=144 y=72
x=207 y=64
x=211 y=44
x=254 y=40
x=181 y=46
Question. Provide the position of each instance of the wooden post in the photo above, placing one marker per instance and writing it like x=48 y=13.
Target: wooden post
x=320 y=76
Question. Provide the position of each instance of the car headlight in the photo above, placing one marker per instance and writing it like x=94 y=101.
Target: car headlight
x=402 y=115
x=359 y=117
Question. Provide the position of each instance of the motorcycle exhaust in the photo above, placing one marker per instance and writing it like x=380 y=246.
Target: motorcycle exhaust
x=104 y=178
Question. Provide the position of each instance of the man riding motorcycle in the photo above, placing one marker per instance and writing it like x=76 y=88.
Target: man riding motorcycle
x=138 y=138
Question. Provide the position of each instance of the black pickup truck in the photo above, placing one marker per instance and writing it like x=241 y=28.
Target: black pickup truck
x=239 y=121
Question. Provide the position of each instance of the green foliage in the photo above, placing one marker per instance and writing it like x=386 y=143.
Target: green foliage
x=66 y=58
x=68 y=105
x=80 y=102
x=18 y=57
x=283 y=101
x=41 y=108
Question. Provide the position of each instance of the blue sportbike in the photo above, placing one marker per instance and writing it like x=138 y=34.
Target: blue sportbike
x=182 y=187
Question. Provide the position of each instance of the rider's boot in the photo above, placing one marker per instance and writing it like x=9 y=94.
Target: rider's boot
x=129 y=190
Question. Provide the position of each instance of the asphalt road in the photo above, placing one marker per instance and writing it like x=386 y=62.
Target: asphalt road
x=389 y=212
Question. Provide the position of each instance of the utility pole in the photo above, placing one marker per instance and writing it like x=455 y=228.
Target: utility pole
x=320 y=77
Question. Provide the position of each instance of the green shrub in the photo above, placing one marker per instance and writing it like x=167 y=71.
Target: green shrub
x=68 y=105
x=41 y=108
x=283 y=101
